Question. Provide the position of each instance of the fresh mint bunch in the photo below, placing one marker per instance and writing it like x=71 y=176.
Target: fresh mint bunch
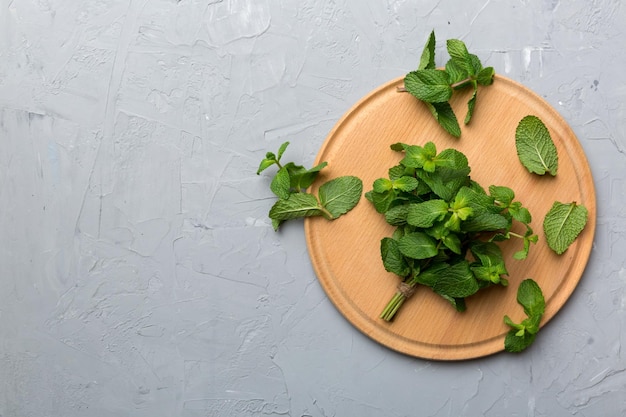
x=435 y=87
x=522 y=335
x=447 y=226
x=335 y=197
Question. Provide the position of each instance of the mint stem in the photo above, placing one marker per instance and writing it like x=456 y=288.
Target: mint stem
x=405 y=290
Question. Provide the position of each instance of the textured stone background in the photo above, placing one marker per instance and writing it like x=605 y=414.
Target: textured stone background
x=140 y=275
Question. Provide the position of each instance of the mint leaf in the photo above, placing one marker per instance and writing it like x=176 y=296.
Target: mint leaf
x=503 y=195
x=301 y=178
x=340 y=195
x=530 y=296
x=393 y=260
x=417 y=245
x=459 y=55
x=535 y=148
x=427 y=60
x=485 y=76
x=430 y=85
x=405 y=183
x=425 y=214
x=562 y=225
x=297 y=205
x=445 y=116
x=281 y=183
x=470 y=105
x=516 y=343
x=457 y=281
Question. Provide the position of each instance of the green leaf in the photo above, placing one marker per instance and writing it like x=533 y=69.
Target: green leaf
x=457 y=72
x=452 y=242
x=484 y=222
x=301 y=178
x=470 y=105
x=427 y=213
x=427 y=60
x=530 y=296
x=393 y=260
x=416 y=156
x=485 y=76
x=503 y=195
x=446 y=118
x=381 y=201
x=265 y=163
x=340 y=195
x=514 y=343
x=562 y=225
x=397 y=215
x=459 y=54
x=535 y=148
x=381 y=185
x=281 y=150
x=457 y=281
x=297 y=205
x=417 y=245
x=519 y=213
x=281 y=183
x=429 y=85
x=405 y=183
x=430 y=275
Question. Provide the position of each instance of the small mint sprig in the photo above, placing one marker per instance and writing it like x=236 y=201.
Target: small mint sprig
x=435 y=87
x=290 y=183
x=523 y=334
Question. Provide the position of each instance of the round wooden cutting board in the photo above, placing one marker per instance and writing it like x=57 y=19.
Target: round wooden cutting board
x=346 y=252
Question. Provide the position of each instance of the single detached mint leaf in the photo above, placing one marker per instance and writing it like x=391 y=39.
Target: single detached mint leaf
x=562 y=225
x=340 y=195
x=430 y=85
x=427 y=60
x=297 y=205
x=535 y=148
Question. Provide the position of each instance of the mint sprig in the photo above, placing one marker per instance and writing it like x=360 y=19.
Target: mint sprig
x=290 y=183
x=435 y=87
x=523 y=334
x=447 y=226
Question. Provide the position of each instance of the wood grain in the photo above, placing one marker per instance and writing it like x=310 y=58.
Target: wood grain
x=346 y=252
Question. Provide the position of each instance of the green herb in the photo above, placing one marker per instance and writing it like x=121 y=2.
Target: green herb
x=522 y=335
x=336 y=197
x=435 y=86
x=535 y=148
x=562 y=225
x=447 y=226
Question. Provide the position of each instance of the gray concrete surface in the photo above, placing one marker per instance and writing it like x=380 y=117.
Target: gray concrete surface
x=140 y=274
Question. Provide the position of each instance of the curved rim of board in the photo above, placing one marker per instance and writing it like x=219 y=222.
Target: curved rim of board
x=442 y=336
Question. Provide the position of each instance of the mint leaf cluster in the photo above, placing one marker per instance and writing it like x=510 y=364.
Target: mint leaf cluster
x=446 y=226
x=435 y=87
x=523 y=334
x=290 y=183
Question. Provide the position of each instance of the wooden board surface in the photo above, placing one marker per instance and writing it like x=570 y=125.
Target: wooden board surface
x=346 y=252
